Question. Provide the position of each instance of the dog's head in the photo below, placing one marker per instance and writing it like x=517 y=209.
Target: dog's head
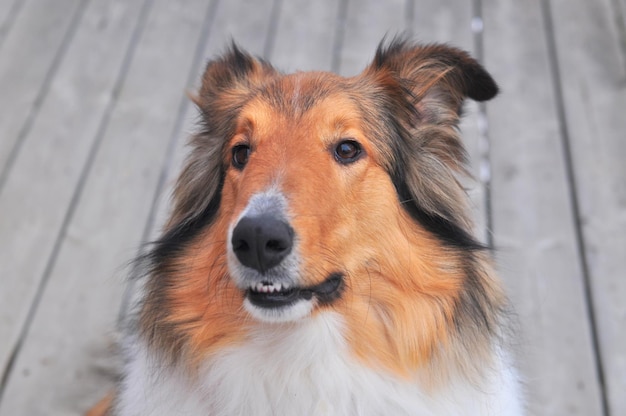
x=309 y=192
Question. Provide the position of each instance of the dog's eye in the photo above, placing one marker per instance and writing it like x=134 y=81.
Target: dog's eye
x=347 y=151
x=241 y=153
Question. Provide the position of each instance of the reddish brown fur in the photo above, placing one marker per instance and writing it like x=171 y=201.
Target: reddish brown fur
x=419 y=297
x=411 y=295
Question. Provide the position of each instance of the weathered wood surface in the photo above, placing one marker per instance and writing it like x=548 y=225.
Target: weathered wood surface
x=37 y=195
x=83 y=292
x=9 y=10
x=537 y=251
x=93 y=122
x=361 y=35
x=592 y=62
x=29 y=57
x=306 y=43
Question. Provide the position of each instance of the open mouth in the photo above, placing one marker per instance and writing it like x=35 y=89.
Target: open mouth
x=277 y=295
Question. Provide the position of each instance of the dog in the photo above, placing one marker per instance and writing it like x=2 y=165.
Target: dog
x=319 y=258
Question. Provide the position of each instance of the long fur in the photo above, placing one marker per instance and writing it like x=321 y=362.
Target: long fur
x=415 y=321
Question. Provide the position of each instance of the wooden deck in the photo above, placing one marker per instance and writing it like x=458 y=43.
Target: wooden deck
x=93 y=117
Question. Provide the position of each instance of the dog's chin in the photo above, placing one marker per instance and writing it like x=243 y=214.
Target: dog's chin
x=276 y=302
x=289 y=313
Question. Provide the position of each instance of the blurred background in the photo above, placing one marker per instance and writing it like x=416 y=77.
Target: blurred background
x=94 y=117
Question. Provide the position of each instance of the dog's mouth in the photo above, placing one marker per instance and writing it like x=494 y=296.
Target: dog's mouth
x=276 y=295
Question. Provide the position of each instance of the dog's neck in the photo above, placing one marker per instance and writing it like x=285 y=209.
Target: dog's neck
x=302 y=368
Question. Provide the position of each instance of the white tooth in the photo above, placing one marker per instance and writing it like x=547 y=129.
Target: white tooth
x=264 y=289
x=271 y=289
x=285 y=286
x=278 y=287
x=259 y=287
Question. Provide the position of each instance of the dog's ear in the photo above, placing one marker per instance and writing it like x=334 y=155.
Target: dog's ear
x=436 y=78
x=228 y=82
x=419 y=91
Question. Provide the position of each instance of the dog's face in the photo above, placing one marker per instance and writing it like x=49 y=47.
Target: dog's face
x=304 y=196
x=310 y=191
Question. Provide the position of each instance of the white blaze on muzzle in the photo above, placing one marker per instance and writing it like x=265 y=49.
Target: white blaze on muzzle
x=265 y=263
x=263 y=259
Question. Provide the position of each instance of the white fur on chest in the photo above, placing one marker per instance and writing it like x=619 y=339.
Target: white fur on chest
x=301 y=369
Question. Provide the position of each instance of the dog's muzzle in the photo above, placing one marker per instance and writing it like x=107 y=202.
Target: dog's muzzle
x=263 y=245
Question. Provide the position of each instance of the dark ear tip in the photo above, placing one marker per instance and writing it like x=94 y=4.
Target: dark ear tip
x=481 y=86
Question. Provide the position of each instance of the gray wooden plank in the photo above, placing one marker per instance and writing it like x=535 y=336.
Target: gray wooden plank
x=447 y=21
x=58 y=370
x=362 y=33
x=619 y=10
x=29 y=56
x=532 y=216
x=9 y=10
x=5 y=9
x=247 y=22
x=593 y=80
x=305 y=35
x=37 y=194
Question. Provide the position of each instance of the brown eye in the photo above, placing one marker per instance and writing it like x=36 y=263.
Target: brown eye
x=347 y=151
x=241 y=153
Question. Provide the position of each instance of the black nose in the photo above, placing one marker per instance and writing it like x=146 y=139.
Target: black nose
x=262 y=242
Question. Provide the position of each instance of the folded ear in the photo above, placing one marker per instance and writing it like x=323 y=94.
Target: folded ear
x=419 y=91
x=436 y=77
x=227 y=84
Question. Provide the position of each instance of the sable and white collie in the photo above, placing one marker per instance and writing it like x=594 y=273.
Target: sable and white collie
x=319 y=258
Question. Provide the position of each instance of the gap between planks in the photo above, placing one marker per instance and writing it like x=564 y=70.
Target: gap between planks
x=41 y=95
x=555 y=72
